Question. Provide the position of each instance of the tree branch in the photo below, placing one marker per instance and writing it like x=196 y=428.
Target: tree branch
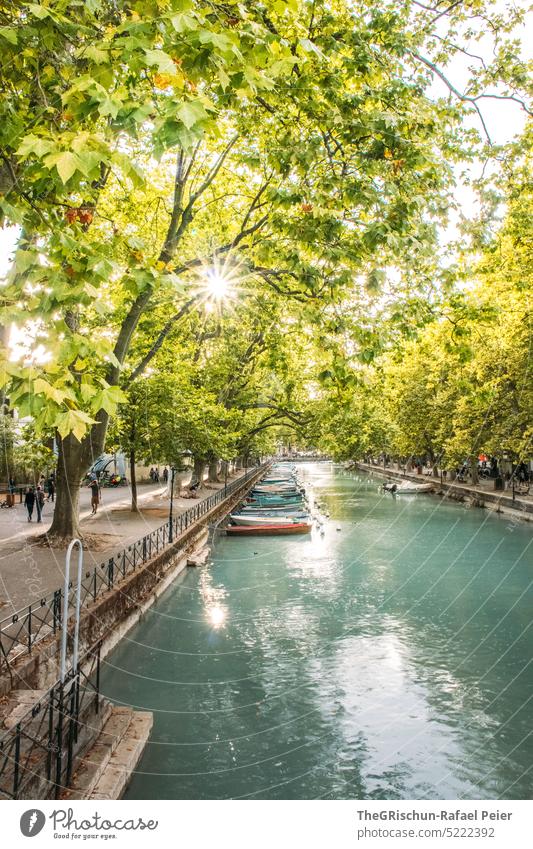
x=454 y=90
x=195 y=263
x=445 y=12
x=139 y=369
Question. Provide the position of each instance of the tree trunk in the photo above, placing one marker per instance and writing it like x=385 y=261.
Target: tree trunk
x=434 y=461
x=473 y=466
x=212 y=476
x=133 y=482
x=69 y=474
x=198 y=472
x=73 y=461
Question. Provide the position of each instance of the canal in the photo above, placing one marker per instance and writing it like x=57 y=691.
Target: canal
x=389 y=658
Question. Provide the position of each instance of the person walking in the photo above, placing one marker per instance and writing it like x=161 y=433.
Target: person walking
x=29 y=501
x=39 y=502
x=165 y=475
x=51 y=489
x=95 y=495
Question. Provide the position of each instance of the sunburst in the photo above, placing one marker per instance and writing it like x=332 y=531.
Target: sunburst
x=219 y=282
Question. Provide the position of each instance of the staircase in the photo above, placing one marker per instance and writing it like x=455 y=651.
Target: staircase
x=106 y=768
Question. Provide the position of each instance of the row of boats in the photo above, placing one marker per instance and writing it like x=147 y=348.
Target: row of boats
x=276 y=505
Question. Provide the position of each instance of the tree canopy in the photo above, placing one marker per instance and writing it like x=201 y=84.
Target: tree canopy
x=161 y=159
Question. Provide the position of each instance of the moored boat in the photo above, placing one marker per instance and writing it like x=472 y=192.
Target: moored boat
x=274 y=511
x=280 y=494
x=276 y=480
x=250 y=521
x=276 y=492
x=406 y=487
x=278 y=528
x=260 y=487
x=276 y=502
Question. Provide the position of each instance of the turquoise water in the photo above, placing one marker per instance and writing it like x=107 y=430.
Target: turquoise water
x=389 y=659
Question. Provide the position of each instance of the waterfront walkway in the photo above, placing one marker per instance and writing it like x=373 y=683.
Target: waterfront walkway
x=28 y=571
x=483 y=491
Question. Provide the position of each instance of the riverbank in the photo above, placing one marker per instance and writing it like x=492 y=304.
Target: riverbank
x=520 y=507
x=30 y=570
x=132 y=581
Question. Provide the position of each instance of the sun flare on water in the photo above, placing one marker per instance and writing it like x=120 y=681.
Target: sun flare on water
x=216 y=616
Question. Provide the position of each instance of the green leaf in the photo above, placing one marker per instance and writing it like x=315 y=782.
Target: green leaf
x=9 y=34
x=88 y=391
x=38 y=11
x=96 y=54
x=223 y=77
x=109 y=107
x=75 y=422
x=108 y=399
x=34 y=144
x=191 y=112
x=100 y=266
x=375 y=281
x=182 y=23
x=41 y=386
x=309 y=47
x=66 y=163
x=161 y=60
x=25 y=259
x=89 y=161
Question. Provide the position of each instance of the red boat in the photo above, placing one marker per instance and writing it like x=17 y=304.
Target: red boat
x=255 y=530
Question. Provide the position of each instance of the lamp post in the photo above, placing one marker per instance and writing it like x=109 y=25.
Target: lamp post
x=226 y=477
x=170 y=517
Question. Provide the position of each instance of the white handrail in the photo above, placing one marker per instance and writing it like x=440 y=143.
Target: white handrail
x=65 y=609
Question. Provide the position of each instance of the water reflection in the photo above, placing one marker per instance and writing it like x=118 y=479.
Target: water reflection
x=388 y=660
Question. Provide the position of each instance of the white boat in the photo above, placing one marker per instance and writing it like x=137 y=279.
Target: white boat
x=275 y=512
x=272 y=490
x=407 y=487
x=254 y=521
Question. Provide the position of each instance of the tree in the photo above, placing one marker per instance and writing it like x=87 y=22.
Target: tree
x=319 y=111
x=31 y=457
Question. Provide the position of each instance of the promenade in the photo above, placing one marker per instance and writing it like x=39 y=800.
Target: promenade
x=30 y=570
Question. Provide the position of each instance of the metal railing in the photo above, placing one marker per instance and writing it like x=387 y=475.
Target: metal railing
x=20 y=632
x=37 y=755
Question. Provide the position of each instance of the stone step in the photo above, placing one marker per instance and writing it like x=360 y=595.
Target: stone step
x=96 y=759
x=17 y=704
x=119 y=770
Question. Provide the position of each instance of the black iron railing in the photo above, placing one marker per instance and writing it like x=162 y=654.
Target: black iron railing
x=37 y=755
x=20 y=632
